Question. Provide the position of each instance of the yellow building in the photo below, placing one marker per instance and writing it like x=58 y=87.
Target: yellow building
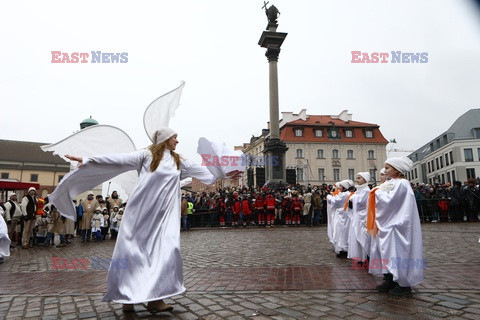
x=23 y=161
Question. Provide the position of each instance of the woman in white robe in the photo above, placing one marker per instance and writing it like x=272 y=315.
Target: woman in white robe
x=358 y=239
x=396 y=250
x=341 y=218
x=4 y=239
x=146 y=264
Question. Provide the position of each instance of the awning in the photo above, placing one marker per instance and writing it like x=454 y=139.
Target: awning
x=15 y=185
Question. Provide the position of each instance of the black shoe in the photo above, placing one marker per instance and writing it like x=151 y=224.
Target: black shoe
x=400 y=291
x=342 y=255
x=388 y=283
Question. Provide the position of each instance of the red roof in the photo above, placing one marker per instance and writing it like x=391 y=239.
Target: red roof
x=324 y=123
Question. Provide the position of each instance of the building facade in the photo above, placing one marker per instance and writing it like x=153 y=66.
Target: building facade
x=452 y=156
x=324 y=148
x=25 y=162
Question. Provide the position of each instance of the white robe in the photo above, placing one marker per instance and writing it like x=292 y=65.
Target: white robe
x=146 y=263
x=4 y=239
x=341 y=221
x=358 y=239
x=398 y=244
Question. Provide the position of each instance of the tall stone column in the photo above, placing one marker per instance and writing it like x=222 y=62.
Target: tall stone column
x=275 y=149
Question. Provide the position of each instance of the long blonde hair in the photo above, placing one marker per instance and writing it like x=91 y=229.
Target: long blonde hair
x=157 y=155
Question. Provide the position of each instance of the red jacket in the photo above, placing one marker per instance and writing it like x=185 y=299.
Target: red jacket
x=246 y=207
x=270 y=202
x=259 y=203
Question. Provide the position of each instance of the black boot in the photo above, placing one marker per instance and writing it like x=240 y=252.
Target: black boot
x=400 y=291
x=388 y=283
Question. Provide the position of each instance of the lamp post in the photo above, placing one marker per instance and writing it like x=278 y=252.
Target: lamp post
x=275 y=149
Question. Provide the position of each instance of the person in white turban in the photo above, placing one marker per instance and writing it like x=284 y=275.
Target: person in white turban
x=394 y=223
x=358 y=239
x=341 y=217
x=146 y=264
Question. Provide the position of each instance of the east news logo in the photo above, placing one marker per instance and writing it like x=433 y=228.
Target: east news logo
x=394 y=56
x=94 y=56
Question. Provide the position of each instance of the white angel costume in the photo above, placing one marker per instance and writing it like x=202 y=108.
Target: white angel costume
x=146 y=263
x=399 y=238
x=358 y=239
x=340 y=221
x=4 y=239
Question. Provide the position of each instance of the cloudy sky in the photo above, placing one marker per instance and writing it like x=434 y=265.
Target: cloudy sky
x=212 y=45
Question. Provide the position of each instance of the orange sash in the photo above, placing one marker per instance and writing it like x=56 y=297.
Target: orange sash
x=372 y=228
x=335 y=192
x=346 y=202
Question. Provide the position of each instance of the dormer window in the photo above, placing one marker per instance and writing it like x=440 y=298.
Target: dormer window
x=298 y=133
x=318 y=133
x=348 y=133
x=369 y=134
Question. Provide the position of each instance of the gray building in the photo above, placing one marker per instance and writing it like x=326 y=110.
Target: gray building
x=452 y=155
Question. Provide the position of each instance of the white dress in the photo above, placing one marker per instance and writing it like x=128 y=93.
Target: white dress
x=146 y=263
x=341 y=221
x=4 y=239
x=398 y=245
x=358 y=238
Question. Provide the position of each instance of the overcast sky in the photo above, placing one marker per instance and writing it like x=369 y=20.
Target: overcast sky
x=213 y=46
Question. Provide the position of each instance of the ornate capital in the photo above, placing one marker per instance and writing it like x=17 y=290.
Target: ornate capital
x=272 y=54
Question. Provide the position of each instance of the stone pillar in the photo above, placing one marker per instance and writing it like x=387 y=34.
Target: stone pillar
x=275 y=168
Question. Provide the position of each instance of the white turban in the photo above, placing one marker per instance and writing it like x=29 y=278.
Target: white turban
x=402 y=164
x=347 y=184
x=163 y=134
x=364 y=175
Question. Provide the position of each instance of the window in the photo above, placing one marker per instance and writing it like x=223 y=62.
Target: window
x=468 y=152
x=436 y=161
x=453 y=175
x=351 y=174
x=445 y=139
x=416 y=175
x=320 y=153
x=373 y=175
x=318 y=133
x=429 y=169
x=371 y=154
x=333 y=133
x=478 y=154
x=348 y=133
x=298 y=133
x=477 y=133
x=431 y=147
x=60 y=178
x=449 y=179
x=5 y=175
x=34 y=177
x=300 y=174
x=446 y=160
x=470 y=173
x=336 y=175
x=335 y=154
x=369 y=134
x=451 y=158
x=349 y=154
x=299 y=153
x=438 y=143
x=443 y=178
x=321 y=174
x=441 y=161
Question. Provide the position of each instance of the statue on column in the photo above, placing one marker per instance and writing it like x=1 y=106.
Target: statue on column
x=272 y=13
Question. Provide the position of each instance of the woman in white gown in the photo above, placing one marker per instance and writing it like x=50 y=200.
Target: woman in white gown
x=146 y=264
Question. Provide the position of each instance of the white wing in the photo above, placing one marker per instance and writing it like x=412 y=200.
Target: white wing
x=159 y=112
x=97 y=140
x=219 y=159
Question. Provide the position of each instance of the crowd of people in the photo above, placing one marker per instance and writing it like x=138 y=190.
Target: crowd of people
x=228 y=206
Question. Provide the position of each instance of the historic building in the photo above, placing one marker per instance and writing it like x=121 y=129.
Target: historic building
x=452 y=155
x=322 y=149
x=25 y=162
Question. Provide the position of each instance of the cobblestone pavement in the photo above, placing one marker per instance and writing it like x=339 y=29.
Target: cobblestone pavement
x=276 y=273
